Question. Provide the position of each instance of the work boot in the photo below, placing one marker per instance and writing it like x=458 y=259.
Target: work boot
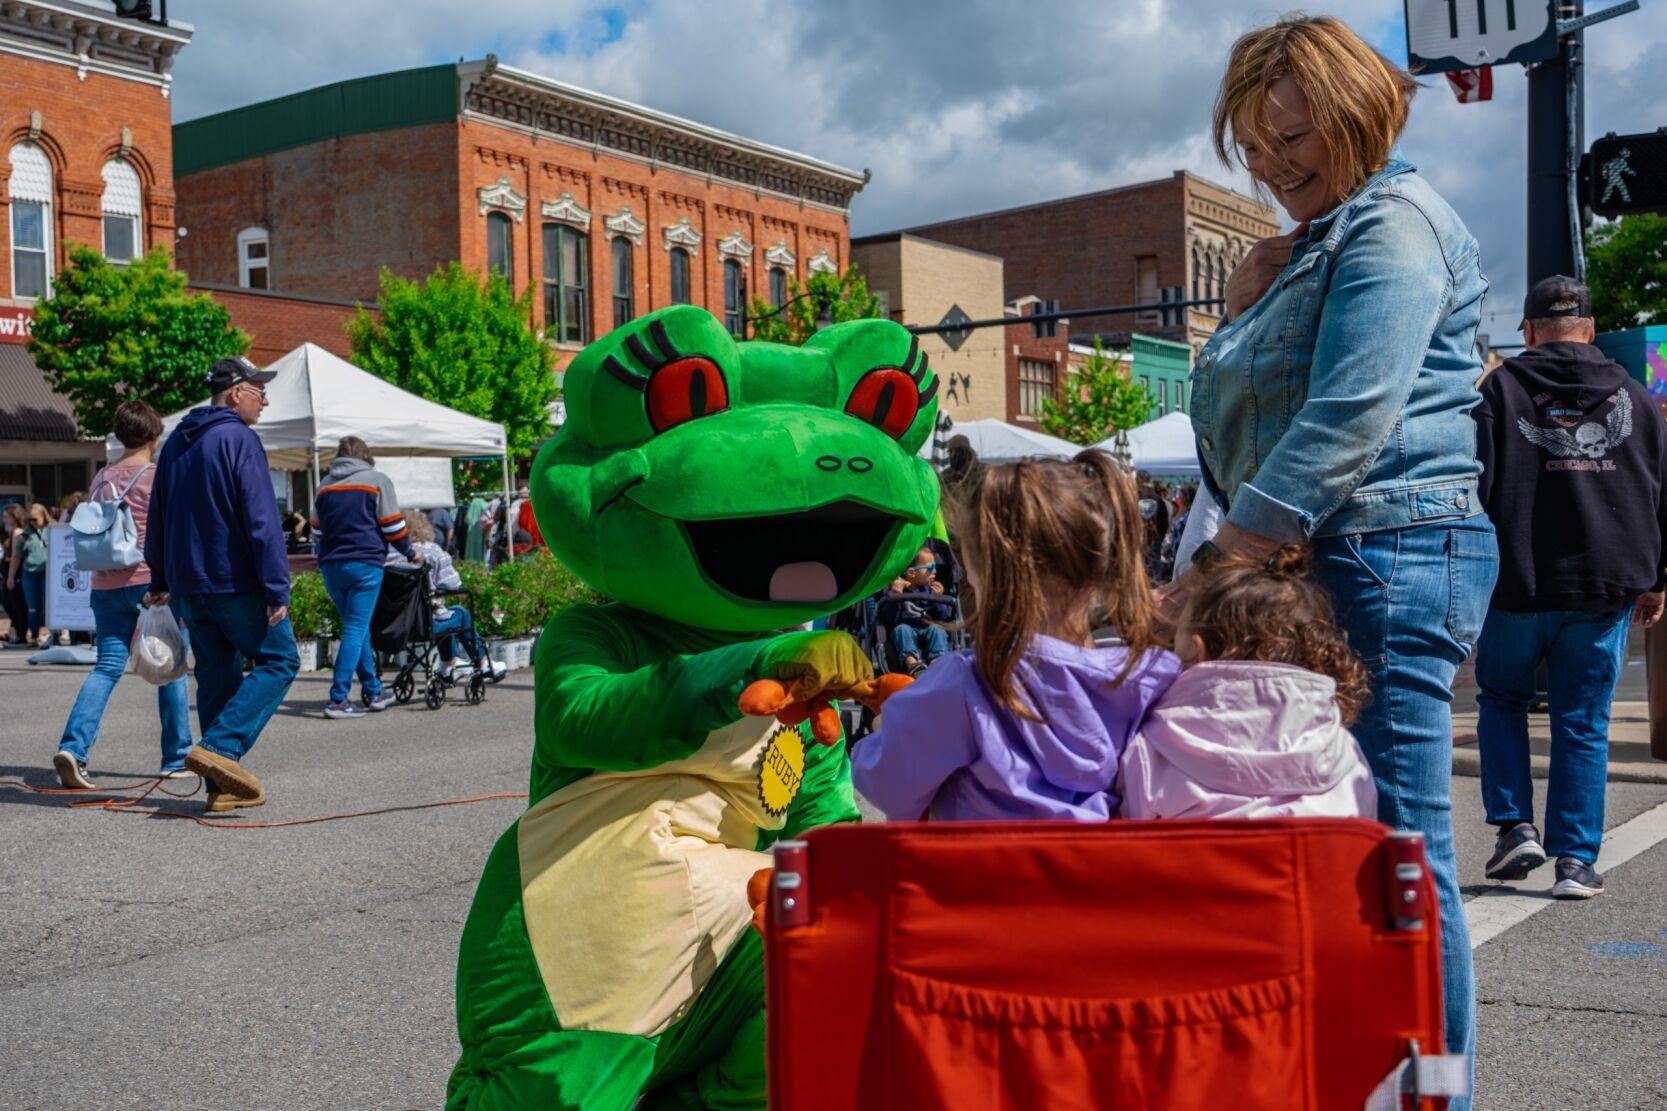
x=221 y=802
x=223 y=772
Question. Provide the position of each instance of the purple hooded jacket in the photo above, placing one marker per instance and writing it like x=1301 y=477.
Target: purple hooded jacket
x=947 y=744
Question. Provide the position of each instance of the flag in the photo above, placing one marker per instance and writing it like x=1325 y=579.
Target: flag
x=1471 y=85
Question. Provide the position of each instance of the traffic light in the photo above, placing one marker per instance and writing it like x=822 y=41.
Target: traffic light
x=133 y=9
x=1626 y=174
x=1044 y=329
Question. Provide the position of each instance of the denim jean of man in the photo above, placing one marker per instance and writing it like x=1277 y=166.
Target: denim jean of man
x=1335 y=411
x=354 y=588
x=233 y=708
x=34 y=598
x=1583 y=654
x=115 y=615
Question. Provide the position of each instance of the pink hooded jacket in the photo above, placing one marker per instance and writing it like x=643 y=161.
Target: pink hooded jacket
x=1244 y=739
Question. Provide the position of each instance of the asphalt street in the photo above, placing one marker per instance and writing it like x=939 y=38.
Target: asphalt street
x=150 y=962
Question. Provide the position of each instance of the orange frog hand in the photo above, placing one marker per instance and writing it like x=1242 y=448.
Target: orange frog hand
x=769 y=698
x=763 y=698
x=874 y=692
x=758 y=896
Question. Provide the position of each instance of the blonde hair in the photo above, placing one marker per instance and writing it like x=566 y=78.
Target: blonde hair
x=1038 y=528
x=1357 y=97
x=416 y=523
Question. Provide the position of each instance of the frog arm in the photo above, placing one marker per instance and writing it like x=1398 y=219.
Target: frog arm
x=825 y=798
x=599 y=706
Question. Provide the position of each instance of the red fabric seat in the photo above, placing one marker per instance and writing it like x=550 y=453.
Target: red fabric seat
x=1239 y=965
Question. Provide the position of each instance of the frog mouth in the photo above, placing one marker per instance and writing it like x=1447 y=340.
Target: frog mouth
x=815 y=556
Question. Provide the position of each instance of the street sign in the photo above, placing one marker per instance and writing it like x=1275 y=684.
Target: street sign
x=1445 y=35
x=1627 y=174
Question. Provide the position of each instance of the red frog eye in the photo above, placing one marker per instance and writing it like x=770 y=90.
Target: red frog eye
x=887 y=399
x=685 y=389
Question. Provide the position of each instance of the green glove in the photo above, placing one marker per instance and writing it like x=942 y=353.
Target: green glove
x=810 y=663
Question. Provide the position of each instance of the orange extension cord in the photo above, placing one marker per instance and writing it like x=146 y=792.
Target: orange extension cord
x=147 y=787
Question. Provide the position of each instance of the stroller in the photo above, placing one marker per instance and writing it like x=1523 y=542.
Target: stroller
x=403 y=622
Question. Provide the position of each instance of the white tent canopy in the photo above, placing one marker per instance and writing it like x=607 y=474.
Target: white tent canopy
x=1162 y=447
x=317 y=398
x=996 y=441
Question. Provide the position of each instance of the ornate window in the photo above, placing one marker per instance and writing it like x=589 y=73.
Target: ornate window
x=500 y=245
x=566 y=307
x=254 y=258
x=778 y=286
x=123 y=211
x=821 y=262
x=625 y=223
x=735 y=299
x=1146 y=288
x=30 y=187
x=679 y=276
x=623 y=278
x=1197 y=275
x=1036 y=383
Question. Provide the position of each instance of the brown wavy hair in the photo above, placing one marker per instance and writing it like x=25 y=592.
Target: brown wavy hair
x=1251 y=609
x=1359 y=99
x=1043 y=529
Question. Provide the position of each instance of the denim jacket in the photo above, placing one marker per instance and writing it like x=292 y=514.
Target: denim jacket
x=1340 y=401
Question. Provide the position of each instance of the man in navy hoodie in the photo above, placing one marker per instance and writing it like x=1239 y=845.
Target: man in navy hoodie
x=215 y=547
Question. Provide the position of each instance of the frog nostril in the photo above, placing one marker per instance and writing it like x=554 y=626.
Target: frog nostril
x=859 y=464
x=829 y=462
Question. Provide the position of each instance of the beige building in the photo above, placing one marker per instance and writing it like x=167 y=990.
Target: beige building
x=1222 y=225
x=925 y=282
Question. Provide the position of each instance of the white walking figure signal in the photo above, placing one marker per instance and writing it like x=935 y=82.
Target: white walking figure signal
x=1615 y=173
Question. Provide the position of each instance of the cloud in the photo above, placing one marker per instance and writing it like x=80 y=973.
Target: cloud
x=956 y=107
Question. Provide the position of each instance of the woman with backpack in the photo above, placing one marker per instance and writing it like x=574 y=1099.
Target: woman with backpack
x=115 y=602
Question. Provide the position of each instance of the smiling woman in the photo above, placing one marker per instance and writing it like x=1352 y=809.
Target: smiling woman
x=1332 y=408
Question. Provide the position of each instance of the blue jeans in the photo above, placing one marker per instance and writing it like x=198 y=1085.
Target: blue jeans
x=34 y=598
x=1412 y=602
x=459 y=625
x=232 y=708
x=907 y=640
x=354 y=588
x=1583 y=653
x=115 y=614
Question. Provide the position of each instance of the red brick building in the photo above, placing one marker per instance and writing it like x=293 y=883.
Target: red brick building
x=86 y=156
x=1121 y=246
x=606 y=209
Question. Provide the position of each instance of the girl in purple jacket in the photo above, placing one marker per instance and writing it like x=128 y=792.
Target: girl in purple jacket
x=1032 y=723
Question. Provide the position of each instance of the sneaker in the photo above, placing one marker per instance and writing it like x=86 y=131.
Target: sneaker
x=223 y=773
x=338 y=710
x=1576 y=880
x=384 y=698
x=177 y=773
x=496 y=670
x=1517 y=852
x=221 y=802
x=71 y=772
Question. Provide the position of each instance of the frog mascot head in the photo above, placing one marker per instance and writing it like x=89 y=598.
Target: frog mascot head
x=742 y=487
x=721 y=493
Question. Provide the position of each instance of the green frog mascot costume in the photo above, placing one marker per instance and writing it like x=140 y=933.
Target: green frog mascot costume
x=720 y=493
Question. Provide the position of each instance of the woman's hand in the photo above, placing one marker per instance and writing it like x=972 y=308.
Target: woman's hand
x=1258 y=269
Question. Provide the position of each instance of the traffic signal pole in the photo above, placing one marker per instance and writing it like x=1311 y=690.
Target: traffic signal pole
x=1556 y=136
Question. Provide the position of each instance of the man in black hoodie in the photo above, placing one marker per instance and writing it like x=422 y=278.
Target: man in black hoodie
x=1574 y=458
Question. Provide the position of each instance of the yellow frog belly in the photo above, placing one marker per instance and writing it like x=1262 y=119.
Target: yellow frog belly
x=634 y=883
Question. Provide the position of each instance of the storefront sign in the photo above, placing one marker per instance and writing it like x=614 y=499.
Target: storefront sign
x=15 y=324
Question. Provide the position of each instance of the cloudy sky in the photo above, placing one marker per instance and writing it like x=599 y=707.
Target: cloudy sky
x=957 y=107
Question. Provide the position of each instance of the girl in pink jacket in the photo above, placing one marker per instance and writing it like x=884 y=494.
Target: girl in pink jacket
x=1254 y=727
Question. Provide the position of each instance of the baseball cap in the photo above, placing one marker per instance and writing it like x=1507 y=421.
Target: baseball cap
x=1557 y=295
x=230 y=372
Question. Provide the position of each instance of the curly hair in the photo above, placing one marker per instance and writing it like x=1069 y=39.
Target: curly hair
x=1249 y=609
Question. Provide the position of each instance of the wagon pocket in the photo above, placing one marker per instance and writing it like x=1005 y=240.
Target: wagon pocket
x=975 y=1048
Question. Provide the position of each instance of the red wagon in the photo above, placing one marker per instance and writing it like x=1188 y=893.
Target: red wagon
x=1243 y=965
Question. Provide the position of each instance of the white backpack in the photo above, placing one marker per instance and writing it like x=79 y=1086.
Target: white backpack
x=106 y=536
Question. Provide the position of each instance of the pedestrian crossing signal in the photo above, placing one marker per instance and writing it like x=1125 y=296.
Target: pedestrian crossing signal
x=1626 y=174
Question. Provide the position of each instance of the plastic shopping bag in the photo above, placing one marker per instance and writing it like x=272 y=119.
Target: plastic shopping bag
x=158 y=646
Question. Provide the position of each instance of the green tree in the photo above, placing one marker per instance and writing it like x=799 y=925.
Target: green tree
x=843 y=297
x=1098 y=400
x=110 y=333
x=463 y=344
x=1626 y=266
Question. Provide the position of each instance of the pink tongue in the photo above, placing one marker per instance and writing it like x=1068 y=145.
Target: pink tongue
x=803 y=582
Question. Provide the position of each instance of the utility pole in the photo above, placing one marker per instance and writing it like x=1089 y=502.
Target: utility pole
x=1556 y=137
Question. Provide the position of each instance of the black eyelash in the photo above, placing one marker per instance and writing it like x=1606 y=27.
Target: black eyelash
x=918 y=371
x=647 y=359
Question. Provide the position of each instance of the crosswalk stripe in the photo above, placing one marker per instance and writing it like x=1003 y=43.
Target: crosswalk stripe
x=1499 y=908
